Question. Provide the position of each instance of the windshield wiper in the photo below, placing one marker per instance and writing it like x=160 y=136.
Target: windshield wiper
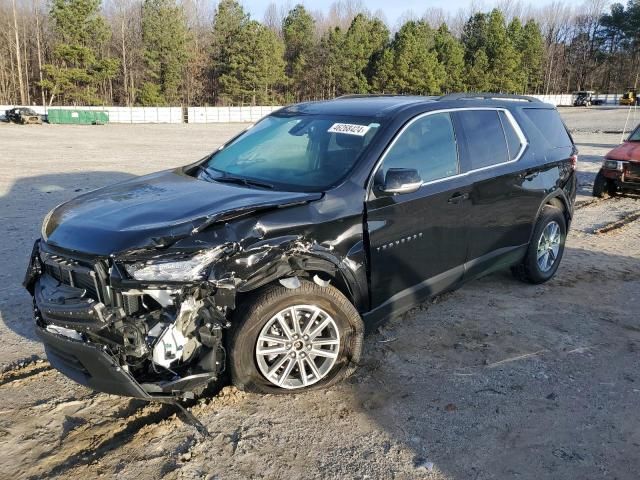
x=243 y=181
x=206 y=172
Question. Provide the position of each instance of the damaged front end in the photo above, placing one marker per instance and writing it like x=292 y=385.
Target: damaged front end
x=149 y=328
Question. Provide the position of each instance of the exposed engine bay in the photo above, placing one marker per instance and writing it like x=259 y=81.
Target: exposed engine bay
x=168 y=339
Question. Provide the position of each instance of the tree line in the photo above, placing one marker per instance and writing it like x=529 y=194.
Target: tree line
x=190 y=52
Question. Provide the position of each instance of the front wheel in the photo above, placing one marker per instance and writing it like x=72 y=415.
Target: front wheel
x=291 y=340
x=545 y=248
x=603 y=187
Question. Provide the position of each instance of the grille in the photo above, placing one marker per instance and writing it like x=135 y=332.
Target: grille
x=633 y=170
x=85 y=273
x=73 y=272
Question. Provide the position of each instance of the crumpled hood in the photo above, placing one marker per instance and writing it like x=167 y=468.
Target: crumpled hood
x=628 y=151
x=154 y=210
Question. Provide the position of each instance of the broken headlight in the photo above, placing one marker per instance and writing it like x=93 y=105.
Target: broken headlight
x=174 y=269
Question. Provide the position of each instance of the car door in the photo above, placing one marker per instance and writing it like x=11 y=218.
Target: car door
x=418 y=240
x=500 y=206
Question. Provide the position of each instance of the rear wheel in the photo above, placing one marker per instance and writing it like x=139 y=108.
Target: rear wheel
x=291 y=340
x=545 y=248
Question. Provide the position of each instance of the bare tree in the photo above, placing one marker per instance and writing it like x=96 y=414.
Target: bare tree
x=18 y=54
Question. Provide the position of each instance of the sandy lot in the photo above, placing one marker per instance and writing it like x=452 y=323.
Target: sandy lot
x=497 y=380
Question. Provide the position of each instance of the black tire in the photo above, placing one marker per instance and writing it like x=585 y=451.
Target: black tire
x=253 y=314
x=529 y=271
x=603 y=187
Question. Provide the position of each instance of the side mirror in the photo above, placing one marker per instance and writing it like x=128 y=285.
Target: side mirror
x=401 y=180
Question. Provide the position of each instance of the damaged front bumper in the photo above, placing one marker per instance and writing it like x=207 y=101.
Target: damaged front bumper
x=159 y=343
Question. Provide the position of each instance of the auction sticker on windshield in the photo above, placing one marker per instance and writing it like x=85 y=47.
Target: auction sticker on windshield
x=349 y=129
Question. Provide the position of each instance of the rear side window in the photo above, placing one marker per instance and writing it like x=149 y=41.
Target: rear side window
x=514 y=144
x=427 y=145
x=485 y=138
x=548 y=122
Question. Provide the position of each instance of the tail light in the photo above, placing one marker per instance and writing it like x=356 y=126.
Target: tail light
x=574 y=162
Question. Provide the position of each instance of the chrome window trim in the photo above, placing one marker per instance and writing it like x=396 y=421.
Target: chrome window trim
x=514 y=124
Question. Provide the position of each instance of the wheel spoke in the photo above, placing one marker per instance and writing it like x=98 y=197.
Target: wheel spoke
x=314 y=369
x=285 y=328
x=541 y=253
x=274 y=350
x=294 y=320
x=316 y=331
x=323 y=353
x=310 y=322
x=276 y=366
x=325 y=341
x=543 y=261
x=287 y=370
x=303 y=373
x=272 y=339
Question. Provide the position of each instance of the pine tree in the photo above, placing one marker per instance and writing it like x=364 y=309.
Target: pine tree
x=164 y=38
x=228 y=22
x=364 y=41
x=329 y=64
x=410 y=65
x=298 y=29
x=451 y=55
x=502 y=56
x=531 y=49
x=79 y=68
x=256 y=66
x=474 y=41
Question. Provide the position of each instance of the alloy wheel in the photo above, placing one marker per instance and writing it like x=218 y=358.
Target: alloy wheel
x=548 y=246
x=298 y=346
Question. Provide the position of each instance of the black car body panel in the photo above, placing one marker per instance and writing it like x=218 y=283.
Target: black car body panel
x=386 y=253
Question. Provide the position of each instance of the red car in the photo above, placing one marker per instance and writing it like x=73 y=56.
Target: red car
x=620 y=168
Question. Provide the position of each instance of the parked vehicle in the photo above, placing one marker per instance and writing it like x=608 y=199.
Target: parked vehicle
x=270 y=256
x=23 y=115
x=620 y=169
x=630 y=97
x=586 y=98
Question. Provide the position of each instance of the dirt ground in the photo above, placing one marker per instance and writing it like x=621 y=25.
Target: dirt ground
x=497 y=380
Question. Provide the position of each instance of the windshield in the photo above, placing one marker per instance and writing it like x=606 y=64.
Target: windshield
x=635 y=135
x=298 y=153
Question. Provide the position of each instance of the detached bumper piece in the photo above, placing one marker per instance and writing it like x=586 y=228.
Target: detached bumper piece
x=89 y=365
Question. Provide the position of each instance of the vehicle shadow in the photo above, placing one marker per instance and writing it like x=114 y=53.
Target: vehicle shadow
x=502 y=379
x=22 y=209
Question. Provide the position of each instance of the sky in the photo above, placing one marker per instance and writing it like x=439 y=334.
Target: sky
x=393 y=9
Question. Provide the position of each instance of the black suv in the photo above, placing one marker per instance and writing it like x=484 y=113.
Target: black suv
x=270 y=256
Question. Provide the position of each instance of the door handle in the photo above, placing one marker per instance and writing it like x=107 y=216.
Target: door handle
x=458 y=197
x=529 y=176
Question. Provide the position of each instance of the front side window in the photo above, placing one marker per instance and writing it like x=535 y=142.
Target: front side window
x=485 y=138
x=297 y=153
x=427 y=145
x=635 y=135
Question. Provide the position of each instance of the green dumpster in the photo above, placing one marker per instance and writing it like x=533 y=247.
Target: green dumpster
x=77 y=117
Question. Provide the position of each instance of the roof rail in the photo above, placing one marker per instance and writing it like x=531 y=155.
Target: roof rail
x=488 y=96
x=368 y=95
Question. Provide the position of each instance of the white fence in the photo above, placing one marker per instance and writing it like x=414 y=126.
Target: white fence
x=239 y=114
x=227 y=114
x=170 y=114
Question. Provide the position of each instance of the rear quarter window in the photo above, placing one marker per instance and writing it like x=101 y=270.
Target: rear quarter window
x=549 y=124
